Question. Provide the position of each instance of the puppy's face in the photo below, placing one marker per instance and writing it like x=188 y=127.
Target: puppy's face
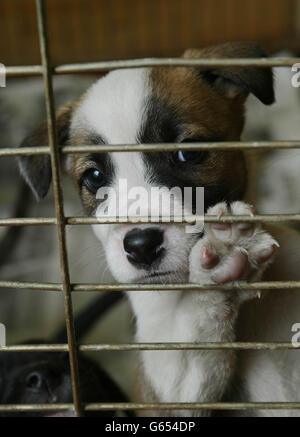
x=159 y=105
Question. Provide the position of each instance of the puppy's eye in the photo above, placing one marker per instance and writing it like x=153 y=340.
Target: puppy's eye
x=188 y=156
x=92 y=179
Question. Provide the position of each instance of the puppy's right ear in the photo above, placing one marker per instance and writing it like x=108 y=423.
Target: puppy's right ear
x=236 y=81
x=36 y=169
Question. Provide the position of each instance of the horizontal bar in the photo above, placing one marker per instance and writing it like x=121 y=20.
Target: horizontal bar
x=272 y=218
x=24 y=70
x=90 y=67
x=187 y=346
x=35 y=407
x=261 y=286
x=196 y=406
x=152 y=347
x=154 y=406
x=76 y=221
x=156 y=147
x=170 y=147
x=41 y=286
x=133 y=220
x=24 y=151
x=94 y=67
x=35 y=348
x=38 y=221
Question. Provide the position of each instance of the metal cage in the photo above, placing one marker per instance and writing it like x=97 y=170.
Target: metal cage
x=61 y=221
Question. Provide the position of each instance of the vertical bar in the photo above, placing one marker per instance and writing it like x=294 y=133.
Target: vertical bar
x=58 y=194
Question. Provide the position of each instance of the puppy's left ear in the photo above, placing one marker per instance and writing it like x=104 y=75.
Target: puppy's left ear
x=36 y=169
x=236 y=81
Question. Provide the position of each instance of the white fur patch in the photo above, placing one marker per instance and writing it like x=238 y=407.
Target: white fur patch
x=114 y=106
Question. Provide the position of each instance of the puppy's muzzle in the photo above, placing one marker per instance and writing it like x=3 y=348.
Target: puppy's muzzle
x=144 y=247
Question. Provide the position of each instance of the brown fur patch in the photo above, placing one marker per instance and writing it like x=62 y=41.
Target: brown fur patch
x=37 y=168
x=206 y=113
x=78 y=164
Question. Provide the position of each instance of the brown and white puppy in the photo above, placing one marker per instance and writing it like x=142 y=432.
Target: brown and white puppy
x=175 y=105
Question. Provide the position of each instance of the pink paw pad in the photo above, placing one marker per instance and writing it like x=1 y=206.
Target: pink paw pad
x=245 y=229
x=236 y=269
x=221 y=231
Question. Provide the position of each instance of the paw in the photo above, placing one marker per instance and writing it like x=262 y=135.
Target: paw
x=231 y=252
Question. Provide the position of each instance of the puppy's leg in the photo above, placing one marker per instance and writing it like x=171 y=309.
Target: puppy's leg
x=227 y=253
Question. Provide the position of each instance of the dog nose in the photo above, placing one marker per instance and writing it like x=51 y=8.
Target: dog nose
x=34 y=380
x=144 y=246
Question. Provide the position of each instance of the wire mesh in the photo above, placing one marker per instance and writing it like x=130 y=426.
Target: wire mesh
x=60 y=221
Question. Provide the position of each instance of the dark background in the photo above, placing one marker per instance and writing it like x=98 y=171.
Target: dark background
x=95 y=30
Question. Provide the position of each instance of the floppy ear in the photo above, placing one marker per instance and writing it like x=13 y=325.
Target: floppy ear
x=36 y=169
x=234 y=81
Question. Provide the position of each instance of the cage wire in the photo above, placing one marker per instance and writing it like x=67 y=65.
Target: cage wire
x=61 y=221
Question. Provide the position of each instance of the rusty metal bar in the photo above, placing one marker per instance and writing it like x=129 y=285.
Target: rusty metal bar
x=51 y=408
x=154 y=406
x=262 y=286
x=58 y=197
x=171 y=147
x=196 y=406
x=264 y=218
x=42 y=286
x=38 y=221
x=111 y=347
x=157 y=147
x=16 y=151
x=35 y=348
x=24 y=70
x=95 y=67
x=76 y=221
x=254 y=286
x=187 y=346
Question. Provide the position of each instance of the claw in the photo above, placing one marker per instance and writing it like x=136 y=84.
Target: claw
x=265 y=254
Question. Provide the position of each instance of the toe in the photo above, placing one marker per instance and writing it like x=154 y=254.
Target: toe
x=235 y=269
x=221 y=231
x=218 y=210
x=241 y=208
x=244 y=229
x=264 y=249
x=265 y=254
x=208 y=258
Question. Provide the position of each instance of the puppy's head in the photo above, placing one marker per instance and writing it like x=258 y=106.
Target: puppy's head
x=156 y=105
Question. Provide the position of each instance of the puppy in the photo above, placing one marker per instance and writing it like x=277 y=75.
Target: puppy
x=178 y=105
x=44 y=377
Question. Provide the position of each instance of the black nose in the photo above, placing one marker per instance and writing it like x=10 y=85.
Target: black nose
x=34 y=380
x=144 y=246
